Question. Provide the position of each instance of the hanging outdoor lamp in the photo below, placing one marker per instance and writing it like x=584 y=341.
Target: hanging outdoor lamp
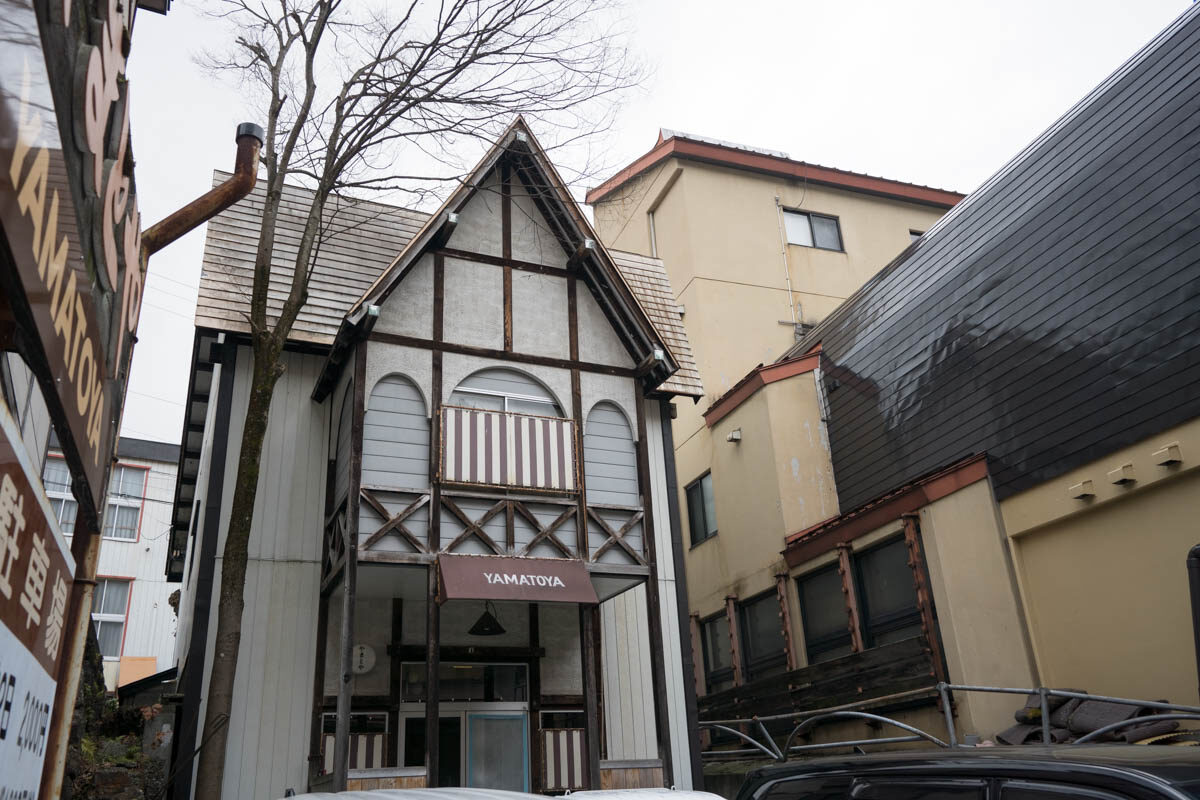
x=488 y=624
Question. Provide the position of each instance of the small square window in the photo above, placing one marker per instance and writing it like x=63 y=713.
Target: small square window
x=702 y=512
x=812 y=230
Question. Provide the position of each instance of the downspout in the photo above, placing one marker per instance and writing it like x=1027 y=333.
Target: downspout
x=1193 y=567
x=202 y=209
x=787 y=270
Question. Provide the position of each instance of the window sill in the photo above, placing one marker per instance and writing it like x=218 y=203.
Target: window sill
x=702 y=542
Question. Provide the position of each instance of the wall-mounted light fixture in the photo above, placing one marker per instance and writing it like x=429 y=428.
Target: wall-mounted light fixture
x=734 y=435
x=488 y=623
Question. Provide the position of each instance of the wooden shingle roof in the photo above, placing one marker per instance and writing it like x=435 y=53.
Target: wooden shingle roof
x=362 y=237
x=647 y=279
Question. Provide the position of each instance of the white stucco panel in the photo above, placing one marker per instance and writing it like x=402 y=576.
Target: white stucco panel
x=413 y=363
x=540 y=319
x=532 y=239
x=408 y=310
x=598 y=342
x=479 y=226
x=473 y=311
x=594 y=387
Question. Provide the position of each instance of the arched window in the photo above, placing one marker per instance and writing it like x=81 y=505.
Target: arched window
x=500 y=389
x=395 y=436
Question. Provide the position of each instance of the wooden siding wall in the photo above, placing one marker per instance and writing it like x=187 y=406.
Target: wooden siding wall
x=395 y=451
x=609 y=457
x=269 y=727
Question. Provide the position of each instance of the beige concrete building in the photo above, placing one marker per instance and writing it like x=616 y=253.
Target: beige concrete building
x=759 y=248
x=980 y=468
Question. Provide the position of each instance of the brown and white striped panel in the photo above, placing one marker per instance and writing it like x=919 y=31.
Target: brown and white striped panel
x=366 y=751
x=564 y=753
x=499 y=448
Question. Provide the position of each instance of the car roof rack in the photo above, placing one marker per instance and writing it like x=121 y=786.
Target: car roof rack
x=753 y=731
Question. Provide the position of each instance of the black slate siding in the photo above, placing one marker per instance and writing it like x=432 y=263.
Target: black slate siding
x=1050 y=318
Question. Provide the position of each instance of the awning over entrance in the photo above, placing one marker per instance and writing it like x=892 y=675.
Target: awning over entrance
x=537 y=580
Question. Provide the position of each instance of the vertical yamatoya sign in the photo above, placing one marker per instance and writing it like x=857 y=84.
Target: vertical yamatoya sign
x=74 y=273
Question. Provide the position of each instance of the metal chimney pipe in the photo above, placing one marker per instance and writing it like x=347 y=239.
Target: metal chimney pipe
x=216 y=200
x=1193 y=567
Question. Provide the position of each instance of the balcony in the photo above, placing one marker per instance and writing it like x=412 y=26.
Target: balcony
x=507 y=450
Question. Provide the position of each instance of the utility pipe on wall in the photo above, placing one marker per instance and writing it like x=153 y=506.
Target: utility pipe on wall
x=783 y=249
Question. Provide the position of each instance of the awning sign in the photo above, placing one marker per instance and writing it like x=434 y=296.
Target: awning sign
x=35 y=579
x=536 y=580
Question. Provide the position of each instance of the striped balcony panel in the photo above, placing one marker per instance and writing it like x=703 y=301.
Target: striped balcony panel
x=503 y=449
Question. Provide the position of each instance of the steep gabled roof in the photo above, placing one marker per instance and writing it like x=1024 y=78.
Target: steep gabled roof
x=660 y=357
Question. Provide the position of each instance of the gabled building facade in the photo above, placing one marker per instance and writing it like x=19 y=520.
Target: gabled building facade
x=463 y=569
x=132 y=611
x=979 y=468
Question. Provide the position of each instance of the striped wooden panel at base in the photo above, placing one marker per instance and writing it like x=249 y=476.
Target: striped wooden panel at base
x=398 y=782
x=631 y=778
x=564 y=753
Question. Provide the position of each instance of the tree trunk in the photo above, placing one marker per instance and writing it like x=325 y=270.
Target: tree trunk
x=211 y=770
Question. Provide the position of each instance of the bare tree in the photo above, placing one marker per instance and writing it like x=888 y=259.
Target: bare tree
x=347 y=92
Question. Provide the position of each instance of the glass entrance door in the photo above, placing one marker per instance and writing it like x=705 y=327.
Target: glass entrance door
x=498 y=750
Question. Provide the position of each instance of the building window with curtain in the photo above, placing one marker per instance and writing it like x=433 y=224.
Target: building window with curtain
x=887 y=594
x=110 y=604
x=126 y=488
x=823 y=615
x=812 y=230
x=57 y=480
x=718 y=653
x=887 y=602
x=701 y=507
x=761 y=634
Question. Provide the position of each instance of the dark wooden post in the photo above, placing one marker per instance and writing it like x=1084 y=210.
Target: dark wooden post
x=432 y=665
x=785 y=619
x=591 y=684
x=735 y=639
x=536 y=782
x=316 y=732
x=341 y=747
x=854 y=624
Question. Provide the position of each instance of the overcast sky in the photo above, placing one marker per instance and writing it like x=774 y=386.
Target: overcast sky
x=937 y=93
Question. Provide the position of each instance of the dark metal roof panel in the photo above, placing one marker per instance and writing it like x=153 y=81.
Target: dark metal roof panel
x=1052 y=316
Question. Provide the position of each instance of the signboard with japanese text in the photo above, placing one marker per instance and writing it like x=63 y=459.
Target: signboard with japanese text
x=535 y=580
x=35 y=580
x=70 y=257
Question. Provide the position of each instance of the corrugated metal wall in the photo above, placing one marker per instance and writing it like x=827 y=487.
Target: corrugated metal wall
x=268 y=730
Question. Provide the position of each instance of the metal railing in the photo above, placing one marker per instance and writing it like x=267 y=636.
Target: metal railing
x=761 y=743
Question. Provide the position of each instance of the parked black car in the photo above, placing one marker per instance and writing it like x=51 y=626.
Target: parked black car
x=1093 y=772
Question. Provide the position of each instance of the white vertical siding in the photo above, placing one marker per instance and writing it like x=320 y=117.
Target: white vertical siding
x=628 y=691
x=628 y=687
x=268 y=729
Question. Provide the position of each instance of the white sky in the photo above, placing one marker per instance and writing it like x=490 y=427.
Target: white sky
x=940 y=93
